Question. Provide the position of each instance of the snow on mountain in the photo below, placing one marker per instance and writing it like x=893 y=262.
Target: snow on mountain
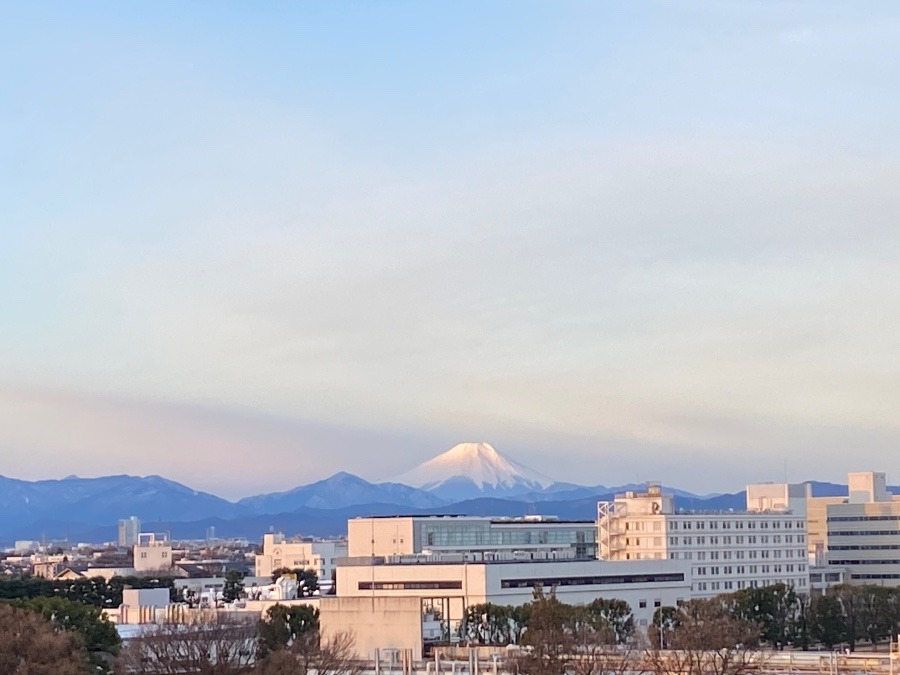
x=470 y=470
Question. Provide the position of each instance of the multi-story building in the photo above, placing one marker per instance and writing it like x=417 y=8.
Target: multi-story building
x=129 y=529
x=152 y=553
x=528 y=538
x=864 y=531
x=318 y=555
x=817 y=527
x=727 y=551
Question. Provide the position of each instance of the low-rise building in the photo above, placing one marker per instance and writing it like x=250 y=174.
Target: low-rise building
x=318 y=555
x=446 y=589
x=152 y=553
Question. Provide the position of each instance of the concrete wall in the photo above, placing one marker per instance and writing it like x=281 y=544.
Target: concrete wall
x=152 y=556
x=376 y=623
x=867 y=486
x=379 y=536
x=145 y=597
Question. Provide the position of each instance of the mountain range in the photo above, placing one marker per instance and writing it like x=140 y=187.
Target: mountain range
x=470 y=478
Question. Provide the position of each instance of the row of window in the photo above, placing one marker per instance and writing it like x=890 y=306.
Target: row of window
x=593 y=580
x=409 y=585
x=864 y=533
x=737 y=555
x=727 y=540
x=871 y=547
x=851 y=519
x=716 y=570
x=732 y=585
x=865 y=562
x=737 y=524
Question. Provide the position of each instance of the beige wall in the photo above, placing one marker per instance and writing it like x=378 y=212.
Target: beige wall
x=151 y=557
x=379 y=536
x=462 y=585
x=817 y=526
x=375 y=623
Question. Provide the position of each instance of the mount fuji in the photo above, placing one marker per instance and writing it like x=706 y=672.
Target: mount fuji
x=472 y=470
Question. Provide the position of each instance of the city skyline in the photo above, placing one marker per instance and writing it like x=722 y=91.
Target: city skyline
x=246 y=247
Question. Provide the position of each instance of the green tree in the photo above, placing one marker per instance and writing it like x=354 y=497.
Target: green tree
x=874 y=608
x=827 y=623
x=490 y=624
x=307 y=580
x=774 y=608
x=614 y=614
x=94 y=591
x=547 y=635
x=282 y=626
x=851 y=600
x=234 y=585
x=665 y=620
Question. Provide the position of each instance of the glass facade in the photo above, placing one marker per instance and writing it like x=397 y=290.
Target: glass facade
x=568 y=539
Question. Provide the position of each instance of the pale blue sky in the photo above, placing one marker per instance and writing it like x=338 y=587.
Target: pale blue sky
x=620 y=241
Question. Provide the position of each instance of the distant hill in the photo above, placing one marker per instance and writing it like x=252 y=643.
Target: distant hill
x=339 y=491
x=25 y=505
x=86 y=509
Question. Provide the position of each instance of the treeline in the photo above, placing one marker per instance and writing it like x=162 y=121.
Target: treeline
x=52 y=635
x=63 y=635
x=773 y=616
x=74 y=634
x=95 y=591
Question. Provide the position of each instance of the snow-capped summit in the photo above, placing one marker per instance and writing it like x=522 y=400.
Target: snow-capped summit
x=473 y=470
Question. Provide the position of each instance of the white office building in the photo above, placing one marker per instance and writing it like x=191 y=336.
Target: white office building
x=864 y=532
x=447 y=588
x=318 y=555
x=726 y=551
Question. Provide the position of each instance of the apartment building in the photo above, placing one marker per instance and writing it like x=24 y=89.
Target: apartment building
x=726 y=551
x=527 y=538
x=864 y=531
x=318 y=555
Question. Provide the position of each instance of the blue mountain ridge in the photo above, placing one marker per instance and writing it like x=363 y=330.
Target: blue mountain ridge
x=86 y=509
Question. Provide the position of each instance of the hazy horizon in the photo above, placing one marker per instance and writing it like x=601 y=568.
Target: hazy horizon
x=245 y=247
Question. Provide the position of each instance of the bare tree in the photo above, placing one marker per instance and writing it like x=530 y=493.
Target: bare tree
x=596 y=649
x=210 y=645
x=29 y=645
x=707 y=640
x=309 y=652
